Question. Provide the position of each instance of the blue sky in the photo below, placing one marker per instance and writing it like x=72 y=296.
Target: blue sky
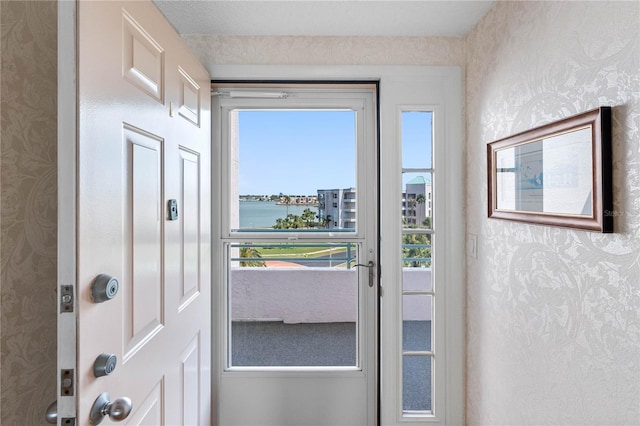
x=299 y=152
x=296 y=152
x=416 y=139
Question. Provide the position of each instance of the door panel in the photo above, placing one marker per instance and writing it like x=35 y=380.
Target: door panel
x=143 y=253
x=190 y=230
x=143 y=140
x=150 y=410
x=142 y=58
x=191 y=395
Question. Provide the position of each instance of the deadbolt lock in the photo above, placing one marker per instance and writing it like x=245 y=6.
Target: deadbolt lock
x=104 y=287
x=104 y=364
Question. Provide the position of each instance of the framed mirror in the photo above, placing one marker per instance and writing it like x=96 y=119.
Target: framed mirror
x=558 y=174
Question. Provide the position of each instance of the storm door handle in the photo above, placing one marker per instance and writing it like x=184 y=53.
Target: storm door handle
x=371 y=267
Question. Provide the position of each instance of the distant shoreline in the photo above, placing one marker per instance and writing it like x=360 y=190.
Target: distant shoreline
x=296 y=204
x=278 y=203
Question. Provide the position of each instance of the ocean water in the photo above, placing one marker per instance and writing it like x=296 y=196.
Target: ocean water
x=263 y=214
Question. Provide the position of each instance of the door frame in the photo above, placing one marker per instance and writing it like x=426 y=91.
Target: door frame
x=67 y=164
x=338 y=94
x=446 y=84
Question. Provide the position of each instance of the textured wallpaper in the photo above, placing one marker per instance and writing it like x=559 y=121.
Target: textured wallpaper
x=289 y=50
x=553 y=314
x=28 y=210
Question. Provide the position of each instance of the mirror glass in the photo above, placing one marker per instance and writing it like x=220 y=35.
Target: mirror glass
x=549 y=175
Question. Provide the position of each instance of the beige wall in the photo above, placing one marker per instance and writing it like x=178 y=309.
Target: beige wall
x=553 y=314
x=28 y=210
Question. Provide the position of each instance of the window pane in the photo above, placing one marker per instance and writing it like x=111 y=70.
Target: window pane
x=416 y=322
x=416 y=383
x=416 y=279
x=275 y=343
x=416 y=250
x=417 y=139
x=293 y=304
x=295 y=170
x=417 y=200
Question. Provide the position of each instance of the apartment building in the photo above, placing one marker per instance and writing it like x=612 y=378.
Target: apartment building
x=416 y=201
x=337 y=208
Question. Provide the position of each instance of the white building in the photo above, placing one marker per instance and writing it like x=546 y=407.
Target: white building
x=416 y=201
x=337 y=207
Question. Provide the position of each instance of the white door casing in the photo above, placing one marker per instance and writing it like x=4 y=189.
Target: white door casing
x=437 y=89
x=143 y=139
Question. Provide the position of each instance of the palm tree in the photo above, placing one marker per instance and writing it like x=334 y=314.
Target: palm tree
x=251 y=252
x=307 y=217
x=287 y=200
x=414 y=249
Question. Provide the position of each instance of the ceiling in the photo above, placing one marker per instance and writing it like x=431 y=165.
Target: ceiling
x=324 y=17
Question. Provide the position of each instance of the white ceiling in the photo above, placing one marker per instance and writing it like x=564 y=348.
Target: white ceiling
x=324 y=17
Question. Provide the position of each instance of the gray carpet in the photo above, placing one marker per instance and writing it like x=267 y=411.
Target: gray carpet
x=327 y=344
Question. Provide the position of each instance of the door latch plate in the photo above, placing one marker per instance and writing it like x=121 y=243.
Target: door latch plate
x=66 y=383
x=66 y=298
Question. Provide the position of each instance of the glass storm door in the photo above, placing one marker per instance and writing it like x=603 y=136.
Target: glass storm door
x=296 y=254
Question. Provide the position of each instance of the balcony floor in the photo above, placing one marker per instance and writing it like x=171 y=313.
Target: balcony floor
x=273 y=343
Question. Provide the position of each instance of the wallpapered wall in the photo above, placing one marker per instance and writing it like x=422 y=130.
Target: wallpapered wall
x=289 y=50
x=28 y=210
x=553 y=314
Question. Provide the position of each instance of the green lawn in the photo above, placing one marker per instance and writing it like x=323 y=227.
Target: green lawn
x=300 y=251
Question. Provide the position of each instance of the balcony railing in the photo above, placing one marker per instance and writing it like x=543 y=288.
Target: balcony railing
x=317 y=285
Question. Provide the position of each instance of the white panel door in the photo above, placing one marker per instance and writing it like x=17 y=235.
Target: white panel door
x=143 y=215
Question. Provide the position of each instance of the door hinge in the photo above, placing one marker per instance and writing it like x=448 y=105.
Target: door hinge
x=66 y=298
x=67 y=382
